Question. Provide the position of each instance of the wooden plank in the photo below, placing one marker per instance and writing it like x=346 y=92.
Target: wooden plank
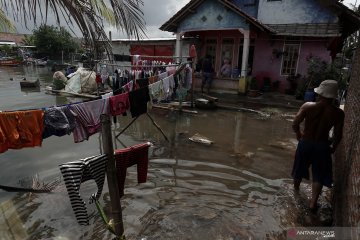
x=210 y=98
x=174 y=109
x=75 y=94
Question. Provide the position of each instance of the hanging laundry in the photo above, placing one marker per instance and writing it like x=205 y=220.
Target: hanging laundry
x=171 y=70
x=153 y=79
x=21 y=129
x=142 y=82
x=128 y=87
x=188 y=77
x=119 y=104
x=88 y=118
x=58 y=121
x=138 y=101
x=156 y=91
x=181 y=94
x=168 y=85
x=107 y=95
x=125 y=158
x=163 y=75
x=77 y=172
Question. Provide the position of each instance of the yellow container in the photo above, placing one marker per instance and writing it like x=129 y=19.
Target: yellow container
x=242 y=85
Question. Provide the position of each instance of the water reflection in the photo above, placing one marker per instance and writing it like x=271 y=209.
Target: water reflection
x=237 y=188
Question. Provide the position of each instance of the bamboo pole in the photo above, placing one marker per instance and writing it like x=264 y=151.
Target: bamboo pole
x=111 y=176
x=192 y=82
x=158 y=127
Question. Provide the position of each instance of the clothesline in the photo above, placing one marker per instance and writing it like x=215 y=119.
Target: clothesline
x=132 y=65
x=145 y=56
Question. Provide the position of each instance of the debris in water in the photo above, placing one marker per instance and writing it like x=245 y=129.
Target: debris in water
x=249 y=154
x=201 y=139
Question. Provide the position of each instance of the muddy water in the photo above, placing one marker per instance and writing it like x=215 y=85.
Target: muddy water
x=236 y=188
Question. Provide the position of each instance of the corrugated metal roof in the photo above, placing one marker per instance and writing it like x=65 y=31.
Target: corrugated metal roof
x=308 y=29
x=143 y=40
x=7 y=43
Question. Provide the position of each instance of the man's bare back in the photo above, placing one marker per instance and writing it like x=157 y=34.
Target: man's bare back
x=319 y=118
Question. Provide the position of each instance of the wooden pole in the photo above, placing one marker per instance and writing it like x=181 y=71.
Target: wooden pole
x=111 y=176
x=158 y=127
x=126 y=127
x=193 y=56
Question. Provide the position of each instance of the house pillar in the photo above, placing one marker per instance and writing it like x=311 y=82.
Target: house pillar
x=244 y=66
x=245 y=56
x=178 y=47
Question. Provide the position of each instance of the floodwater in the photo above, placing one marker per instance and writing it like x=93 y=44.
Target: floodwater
x=237 y=188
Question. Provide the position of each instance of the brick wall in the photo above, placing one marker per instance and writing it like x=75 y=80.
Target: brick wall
x=347 y=161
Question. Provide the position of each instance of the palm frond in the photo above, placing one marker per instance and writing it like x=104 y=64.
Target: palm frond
x=88 y=15
x=5 y=24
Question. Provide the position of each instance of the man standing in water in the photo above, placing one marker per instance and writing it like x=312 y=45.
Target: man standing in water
x=315 y=147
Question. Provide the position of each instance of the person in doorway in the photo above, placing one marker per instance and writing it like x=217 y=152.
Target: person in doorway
x=315 y=146
x=226 y=68
x=207 y=71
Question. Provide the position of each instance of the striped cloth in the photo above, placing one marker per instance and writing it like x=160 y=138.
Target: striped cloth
x=127 y=157
x=77 y=172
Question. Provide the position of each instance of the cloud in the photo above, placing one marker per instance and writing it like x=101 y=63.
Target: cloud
x=156 y=12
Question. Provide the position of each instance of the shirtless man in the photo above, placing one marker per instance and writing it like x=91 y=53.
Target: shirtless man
x=315 y=147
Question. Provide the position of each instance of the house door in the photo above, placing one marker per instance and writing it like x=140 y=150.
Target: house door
x=210 y=50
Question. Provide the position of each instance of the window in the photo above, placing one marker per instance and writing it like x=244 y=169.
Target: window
x=290 y=58
x=227 y=49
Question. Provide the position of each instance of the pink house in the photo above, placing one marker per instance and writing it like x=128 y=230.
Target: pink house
x=269 y=39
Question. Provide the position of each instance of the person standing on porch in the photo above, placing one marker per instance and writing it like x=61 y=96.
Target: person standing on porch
x=315 y=147
x=207 y=72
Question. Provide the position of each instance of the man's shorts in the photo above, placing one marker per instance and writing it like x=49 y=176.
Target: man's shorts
x=316 y=154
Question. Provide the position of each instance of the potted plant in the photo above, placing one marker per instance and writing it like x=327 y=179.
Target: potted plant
x=253 y=88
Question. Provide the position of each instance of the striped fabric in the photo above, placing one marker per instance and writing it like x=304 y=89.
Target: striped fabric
x=127 y=157
x=77 y=172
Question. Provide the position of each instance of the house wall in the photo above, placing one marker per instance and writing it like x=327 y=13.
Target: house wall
x=266 y=64
x=294 y=11
x=248 y=6
x=211 y=10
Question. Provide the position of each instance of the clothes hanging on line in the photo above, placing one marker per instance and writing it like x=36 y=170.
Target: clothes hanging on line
x=168 y=85
x=119 y=104
x=21 y=129
x=156 y=91
x=58 y=121
x=138 y=101
x=88 y=118
x=77 y=172
x=127 y=157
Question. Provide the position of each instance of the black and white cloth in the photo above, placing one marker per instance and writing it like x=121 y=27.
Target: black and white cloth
x=77 y=172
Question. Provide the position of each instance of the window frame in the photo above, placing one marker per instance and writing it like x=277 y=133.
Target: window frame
x=282 y=73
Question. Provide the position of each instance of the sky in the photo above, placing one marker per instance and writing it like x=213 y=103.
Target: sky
x=156 y=12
